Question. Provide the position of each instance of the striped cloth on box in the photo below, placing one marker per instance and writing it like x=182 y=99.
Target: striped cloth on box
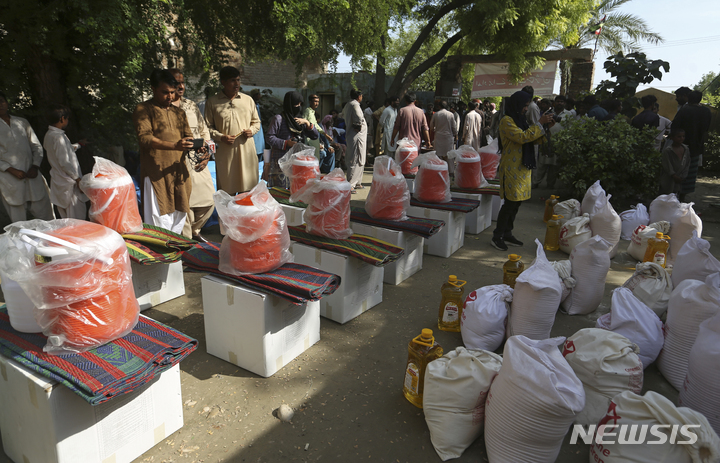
x=365 y=248
x=108 y=371
x=156 y=245
x=456 y=205
x=295 y=282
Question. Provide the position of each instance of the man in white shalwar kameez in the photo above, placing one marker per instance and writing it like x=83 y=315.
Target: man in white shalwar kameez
x=472 y=131
x=21 y=184
x=445 y=129
x=356 y=137
x=387 y=122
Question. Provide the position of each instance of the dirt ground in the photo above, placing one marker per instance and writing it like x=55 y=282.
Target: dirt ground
x=346 y=390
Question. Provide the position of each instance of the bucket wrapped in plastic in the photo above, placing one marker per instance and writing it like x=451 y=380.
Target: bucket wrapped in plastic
x=113 y=201
x=405 y=154
x=389 y=197
x=432 y=183
x=490 y=159
x=328 y=200
x=299 y=164
x=468 y=169
x=78 y=275
x=257 y=238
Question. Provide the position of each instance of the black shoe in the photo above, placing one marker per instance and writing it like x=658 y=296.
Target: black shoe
x=512 y=241
x=499 y=244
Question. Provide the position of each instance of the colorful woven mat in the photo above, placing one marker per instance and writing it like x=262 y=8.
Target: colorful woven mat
x=108 y=371
x=487 y=190
x=456 y=205
x=415 y=225
x=294 y=282
x=366 y=248
x=282 y=196
x=156 y=245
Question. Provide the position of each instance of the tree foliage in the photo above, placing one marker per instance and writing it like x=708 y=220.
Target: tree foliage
x=710 y=86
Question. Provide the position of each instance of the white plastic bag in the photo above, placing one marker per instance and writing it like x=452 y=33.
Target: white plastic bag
x=664 y=208
x=641 y=235
x=257 y=238
x=532 y=402
x=484 y=317
x=564 y=271
x=299 y=164
x=605 y=222
x=682 y=228
x=490 y=159
x=652 y=285
x=405 y=155
x=633 y=218
x=590 y=262
x=593 y=194
x=694 y=261
x=701 y=389
x=456 y=387
x=432 y=182
x=536 y=299
x=635 y=415
x=328 y=200
x=691 y=303
x=607 y=363
x=568 y=209
x=574 y=232
x=634 y=320
x=468 y=167
x=389 y=197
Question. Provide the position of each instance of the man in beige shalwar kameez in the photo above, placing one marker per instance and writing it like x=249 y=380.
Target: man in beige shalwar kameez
x=232 y=120
x=356 y=136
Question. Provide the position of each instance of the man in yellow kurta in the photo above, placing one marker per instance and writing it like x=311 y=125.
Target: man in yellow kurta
x=164 y=136
x=232 y=120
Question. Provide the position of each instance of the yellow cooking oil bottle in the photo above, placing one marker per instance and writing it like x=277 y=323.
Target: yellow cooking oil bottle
x=657 y=249
x=550 y=207
x=421 y=351
x=452 y=304
x=512 y=269
x=552 y=234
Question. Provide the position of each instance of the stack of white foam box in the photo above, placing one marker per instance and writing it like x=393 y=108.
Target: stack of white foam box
x=411 y=261
x=254 y=330
x=450 y=238
x=361 y=286
x=43 y=421
x=157 y=283
x=480 y=218
x=294 y=215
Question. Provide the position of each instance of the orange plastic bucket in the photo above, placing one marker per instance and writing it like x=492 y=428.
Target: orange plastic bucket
x=389 y=203
x=405 y=156
x=468 y=173
x=329 y=212
x=304 y=167
x=113 y=202
x=433 y=182
x=490 y=162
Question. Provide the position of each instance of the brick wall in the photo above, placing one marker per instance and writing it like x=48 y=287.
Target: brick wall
x=274 y=73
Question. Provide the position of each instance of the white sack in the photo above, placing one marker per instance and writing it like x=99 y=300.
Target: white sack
x=574 y=232
x=691 y=303
x=564 y=271
x=456 y=387
x=593 y=195
x=664 y=208
x=483 y=319
x=568 y=209
x=682 y=228
x=605 y=222
x=634 y=320
x=633 y=218
x=629 y=408
x=694 y=261
x=590 y=262
x=607 y=363
x=532 y=402
x=535 y=300
x=641 y=235
x=652 y=285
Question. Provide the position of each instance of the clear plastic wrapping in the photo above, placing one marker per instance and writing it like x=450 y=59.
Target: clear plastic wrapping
x=432 y=183
x=299 y=164
x=490 y=159
x=328 y=200
x=257 y=238
x=405 y=155
x=389 y=196
x=78 y=275
x=113 y=201
x=468 y=168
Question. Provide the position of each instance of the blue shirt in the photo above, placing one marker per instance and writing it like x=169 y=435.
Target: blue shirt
x=259 y=137
x=596 y=112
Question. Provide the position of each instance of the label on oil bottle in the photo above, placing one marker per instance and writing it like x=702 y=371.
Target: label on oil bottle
x=450 y=313
x=412 y=378
x=659 y=258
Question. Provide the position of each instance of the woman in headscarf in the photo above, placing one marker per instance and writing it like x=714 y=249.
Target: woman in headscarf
x=286 y=130
x=517 y=140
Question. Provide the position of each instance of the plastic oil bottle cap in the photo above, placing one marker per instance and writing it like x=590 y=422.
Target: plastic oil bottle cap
x=555 y=217
x=427 y=333
x=514 y=257
x=658 y=235
x=666 y=237
x=451 y=279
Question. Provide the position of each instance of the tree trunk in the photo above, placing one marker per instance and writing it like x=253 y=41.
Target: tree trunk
x=380 y=94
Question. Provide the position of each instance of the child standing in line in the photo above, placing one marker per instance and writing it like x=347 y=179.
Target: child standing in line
x=65 y=173
x=675 y=163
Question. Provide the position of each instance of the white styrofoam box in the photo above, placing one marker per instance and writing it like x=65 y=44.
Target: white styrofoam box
x=496 y=204
x=450 y=238
x=479 y=219
x=361 y=285
x=294 y=215
x=409 y=264
x=43 y=421
x=254 y=330
x=157 y=283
